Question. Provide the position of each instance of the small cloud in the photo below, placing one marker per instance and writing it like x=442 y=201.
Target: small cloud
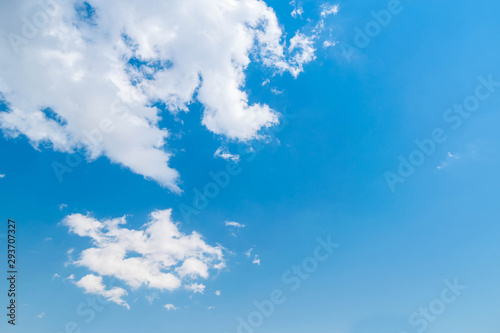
x=297 y=10
x=92 y=284
x=170 y=307
x=217 y=292
x=234 y=224
x=41 y=315
x=249 y=253
x=70 y=257
x=328 y=43
x=152 y=297
x=62 y=206
x=47 y=239
x=265 y=82
x=56 y=276
x=226 y=155
x=71 y=277
x=453 y=158
x=210 y=308
x=328 y=9
x=276 y=91
x=2 y=175
x=196 y=288
x=256 y=260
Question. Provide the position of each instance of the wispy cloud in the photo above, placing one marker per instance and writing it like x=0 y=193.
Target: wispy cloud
x=234 y=224
x=298 y=10
x=471 y=152
x=226 y=155
x=152 y=297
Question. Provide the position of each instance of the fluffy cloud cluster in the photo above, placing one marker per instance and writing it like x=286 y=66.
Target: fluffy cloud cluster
x=156 y=256
x=91 y=75
x=92 y=284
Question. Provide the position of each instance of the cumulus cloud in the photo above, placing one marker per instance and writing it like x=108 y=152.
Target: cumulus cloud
x=157 y=256
x=92 y=284
x=197 y=288
x=99 y=77
x=329 y=9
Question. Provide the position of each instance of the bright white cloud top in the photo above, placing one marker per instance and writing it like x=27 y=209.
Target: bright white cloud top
x=157 y=256
x=90 y=77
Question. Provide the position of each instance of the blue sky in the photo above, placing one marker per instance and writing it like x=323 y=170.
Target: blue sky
x=320 y=173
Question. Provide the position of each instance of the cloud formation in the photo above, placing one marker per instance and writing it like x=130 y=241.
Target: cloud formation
x=99 y=76
x=157 y=256
x=234 y=224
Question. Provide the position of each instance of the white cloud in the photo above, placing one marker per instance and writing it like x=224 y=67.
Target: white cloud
x=55 y=276
x=152 y=297
x=170 y=307
x=297 y=12
x=471 y=151
x=275 y=91
x=193 y=268
x=450 y=159
x=2 y=175
x=306 y=45
x=92 y=284
x=196 y=288
x=41 y=315
x=157 y=256
x=226 y=155
x=62 y=206
x=210 y=307
x=92 y=84
x=328 y=9
x=234 y=224
x=256 y=259
x=71 y=277
x=329 y=43
x=217 y=292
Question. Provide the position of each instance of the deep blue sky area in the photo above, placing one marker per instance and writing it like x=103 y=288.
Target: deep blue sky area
x=322 y=173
